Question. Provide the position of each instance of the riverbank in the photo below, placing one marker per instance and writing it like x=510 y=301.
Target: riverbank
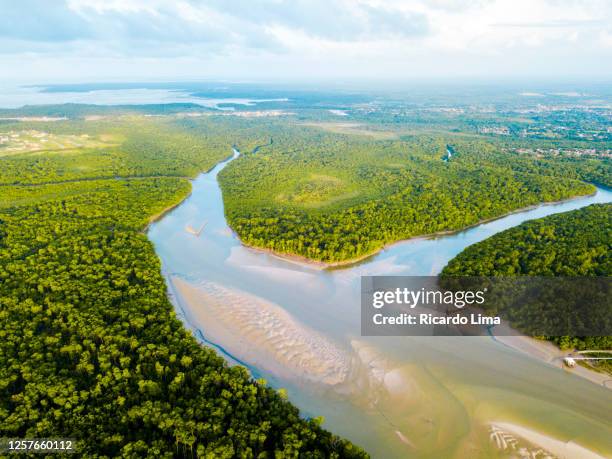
x=274 y=343
x=547 y=352
x=165 y=211
x=170 y=208
x=259 y=311
x=504 y=431
x=341 y=264
x=318 y=264
x=260 y=332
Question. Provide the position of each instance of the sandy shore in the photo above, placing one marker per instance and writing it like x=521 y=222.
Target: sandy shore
x=308 y=262
x=259 y=333
x=508 y=436
x=262 y=333
x=547 y=352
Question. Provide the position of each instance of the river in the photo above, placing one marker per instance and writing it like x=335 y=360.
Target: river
x=298 y=327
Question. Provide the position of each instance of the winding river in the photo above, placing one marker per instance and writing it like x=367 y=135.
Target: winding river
x=298 y=327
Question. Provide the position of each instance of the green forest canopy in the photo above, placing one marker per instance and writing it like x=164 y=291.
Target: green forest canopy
x=91 y=344
x=334 y=197
x=575 y=243
x=90 y=347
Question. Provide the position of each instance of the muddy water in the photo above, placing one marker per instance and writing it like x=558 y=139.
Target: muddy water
x=298 y=327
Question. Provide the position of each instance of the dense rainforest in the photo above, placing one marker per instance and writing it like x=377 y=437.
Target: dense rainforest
x=90 y=347
x=334 y=197
x=576 y=243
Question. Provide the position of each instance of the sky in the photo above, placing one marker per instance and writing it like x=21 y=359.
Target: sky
x=303 y=40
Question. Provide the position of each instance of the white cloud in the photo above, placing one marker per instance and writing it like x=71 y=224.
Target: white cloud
x=415 y=38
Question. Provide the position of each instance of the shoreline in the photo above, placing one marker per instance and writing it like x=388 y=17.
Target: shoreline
x=541 y=350
x=555 y=446
x=549 y=353
x=170 y=208
x=341 y=264
x=321 y=265
x=247 y=328
x=167 y=210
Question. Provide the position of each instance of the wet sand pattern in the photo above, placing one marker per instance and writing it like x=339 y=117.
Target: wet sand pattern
x=264 y=334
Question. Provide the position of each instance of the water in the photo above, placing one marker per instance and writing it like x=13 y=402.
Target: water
x=298 y=326
x=13 y=96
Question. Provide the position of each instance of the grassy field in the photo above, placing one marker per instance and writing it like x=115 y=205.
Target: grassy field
x=358 y=129
x=15 y=142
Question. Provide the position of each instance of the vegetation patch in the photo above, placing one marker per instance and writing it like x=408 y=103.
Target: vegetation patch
x=90 y=347
x=14 y=142
x=575 y=243
x=389 y=190
x=317 y=190
x=359 y=129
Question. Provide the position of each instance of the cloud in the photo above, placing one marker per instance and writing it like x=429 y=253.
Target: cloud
x=410 y=36
x=212 y=22
x=384 y=23
x=565 y=24
x=40 y=21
